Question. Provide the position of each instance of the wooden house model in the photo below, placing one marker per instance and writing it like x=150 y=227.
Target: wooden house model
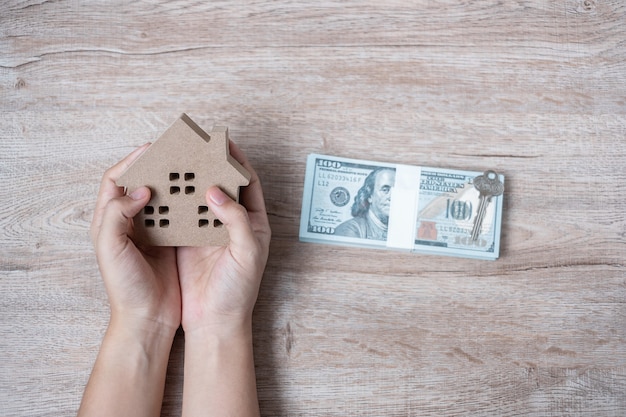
x=178 y=168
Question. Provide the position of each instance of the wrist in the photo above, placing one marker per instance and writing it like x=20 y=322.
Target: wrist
x=151 y=335
x=223 y=328
x=130 y=369
x=202 y=320
x=219 y=370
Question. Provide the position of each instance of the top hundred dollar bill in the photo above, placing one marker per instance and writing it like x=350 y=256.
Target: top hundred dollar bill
x=393 y=206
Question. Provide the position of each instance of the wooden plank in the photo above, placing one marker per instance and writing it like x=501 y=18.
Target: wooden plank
x=534 y=89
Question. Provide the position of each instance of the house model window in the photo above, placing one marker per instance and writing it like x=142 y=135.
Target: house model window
x=178 y=168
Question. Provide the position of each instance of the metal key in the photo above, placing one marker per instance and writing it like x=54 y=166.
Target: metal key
x=488 y=185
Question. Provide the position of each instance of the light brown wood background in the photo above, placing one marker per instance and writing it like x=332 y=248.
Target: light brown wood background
x=534 y=89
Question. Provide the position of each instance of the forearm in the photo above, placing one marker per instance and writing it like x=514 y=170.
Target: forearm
x=219 y=372
x=128 y=377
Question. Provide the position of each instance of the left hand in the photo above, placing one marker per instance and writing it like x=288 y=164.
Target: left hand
x=219 y=285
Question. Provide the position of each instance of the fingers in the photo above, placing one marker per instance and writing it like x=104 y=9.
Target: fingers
x=117 y=213
x=252 y=196
x=110 y=190
x=235 y=218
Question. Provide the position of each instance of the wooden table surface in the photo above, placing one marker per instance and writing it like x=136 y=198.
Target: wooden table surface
x=535 y=89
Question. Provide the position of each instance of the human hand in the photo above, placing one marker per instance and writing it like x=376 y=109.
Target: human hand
x=220 y=285
x=142 y=286
x=141 y=283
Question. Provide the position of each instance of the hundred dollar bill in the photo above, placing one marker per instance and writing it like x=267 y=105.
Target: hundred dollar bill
x=393 y=206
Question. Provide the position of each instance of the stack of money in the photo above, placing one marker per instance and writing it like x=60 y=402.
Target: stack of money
x=393 y=206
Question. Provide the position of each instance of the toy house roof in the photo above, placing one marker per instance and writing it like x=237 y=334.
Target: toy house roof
x=178 y=168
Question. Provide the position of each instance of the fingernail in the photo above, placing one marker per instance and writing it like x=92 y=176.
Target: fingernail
x=139 y=193
x=217 y=196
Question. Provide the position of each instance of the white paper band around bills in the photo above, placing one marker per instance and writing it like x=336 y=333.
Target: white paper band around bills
x=402 y=225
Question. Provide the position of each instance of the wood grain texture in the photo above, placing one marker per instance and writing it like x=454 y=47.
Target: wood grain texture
x=534 y=89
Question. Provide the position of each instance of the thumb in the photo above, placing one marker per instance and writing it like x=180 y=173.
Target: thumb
x=117 y=214
x=235 y=217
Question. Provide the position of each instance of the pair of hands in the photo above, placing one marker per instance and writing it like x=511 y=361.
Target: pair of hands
x=156 y=289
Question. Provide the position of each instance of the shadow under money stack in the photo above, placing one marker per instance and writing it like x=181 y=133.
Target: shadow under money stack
x=401 y=207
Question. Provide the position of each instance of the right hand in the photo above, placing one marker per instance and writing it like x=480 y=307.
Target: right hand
x=141 y=283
